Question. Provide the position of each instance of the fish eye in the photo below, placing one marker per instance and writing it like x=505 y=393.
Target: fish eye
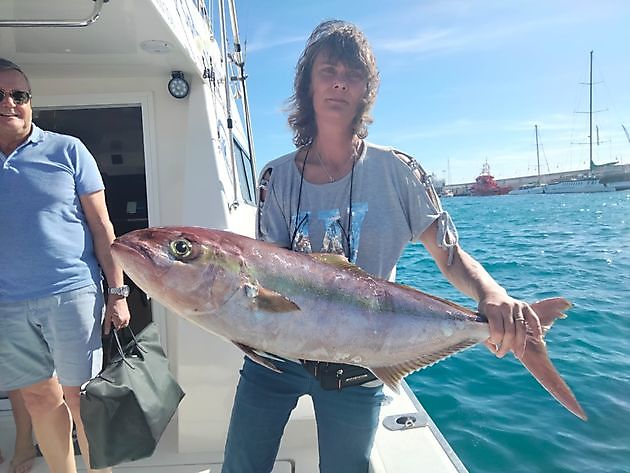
x=181 y=248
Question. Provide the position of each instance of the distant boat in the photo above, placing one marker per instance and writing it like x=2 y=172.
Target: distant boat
x=529 y=189
x=486 y=185
x=585 y=184
x=532 y=188
x=590 y=182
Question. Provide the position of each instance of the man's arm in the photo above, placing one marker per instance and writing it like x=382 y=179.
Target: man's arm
x=95 y=209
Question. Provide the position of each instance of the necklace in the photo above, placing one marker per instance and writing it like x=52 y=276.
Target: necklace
x=352 y=157
x=321 y=161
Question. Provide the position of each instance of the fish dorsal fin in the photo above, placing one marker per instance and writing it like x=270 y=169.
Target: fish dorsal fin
x=341 y=262
x=392 y=375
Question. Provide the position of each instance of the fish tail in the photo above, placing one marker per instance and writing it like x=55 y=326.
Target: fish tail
x=537 y=361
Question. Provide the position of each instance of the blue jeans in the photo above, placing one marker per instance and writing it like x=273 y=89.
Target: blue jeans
x=346 y=420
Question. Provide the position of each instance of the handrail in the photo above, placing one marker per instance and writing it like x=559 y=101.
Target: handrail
x=98 y=6
x=228 y=108
x=240 y=63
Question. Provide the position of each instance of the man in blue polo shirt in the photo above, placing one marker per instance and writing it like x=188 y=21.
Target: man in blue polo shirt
x=55 y=236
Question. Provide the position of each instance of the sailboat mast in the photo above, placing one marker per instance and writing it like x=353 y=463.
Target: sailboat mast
x=537 y=153
x=590 y=115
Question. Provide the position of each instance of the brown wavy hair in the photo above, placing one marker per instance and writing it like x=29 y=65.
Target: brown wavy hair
x=342 y=42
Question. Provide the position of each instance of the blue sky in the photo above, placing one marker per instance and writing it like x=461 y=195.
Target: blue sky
x=462 y=81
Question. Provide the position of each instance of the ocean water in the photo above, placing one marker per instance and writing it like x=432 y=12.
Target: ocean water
x=494 y=414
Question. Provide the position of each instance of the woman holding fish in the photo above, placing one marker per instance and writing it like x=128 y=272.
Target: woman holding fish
x=338 y=193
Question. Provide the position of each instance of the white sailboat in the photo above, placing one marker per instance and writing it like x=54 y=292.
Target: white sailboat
x=590 y=182
x=100 y=70
x=582 y=184
x=532 y=188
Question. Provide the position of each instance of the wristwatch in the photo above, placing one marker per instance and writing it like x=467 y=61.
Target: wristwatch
x=122 y=291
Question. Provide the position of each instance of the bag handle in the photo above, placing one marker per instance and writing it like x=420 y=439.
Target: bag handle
x=121 y=352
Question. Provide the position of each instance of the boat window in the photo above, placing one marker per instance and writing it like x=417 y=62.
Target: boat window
x=245 y=168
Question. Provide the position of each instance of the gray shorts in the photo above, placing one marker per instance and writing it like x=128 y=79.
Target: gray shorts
x=57 y=334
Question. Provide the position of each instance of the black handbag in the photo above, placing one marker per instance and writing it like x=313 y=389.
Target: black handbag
x=127 y=406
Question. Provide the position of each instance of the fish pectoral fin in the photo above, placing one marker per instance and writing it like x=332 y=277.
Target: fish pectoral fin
x=392 y=375
x=271 y=301
x=254 y=356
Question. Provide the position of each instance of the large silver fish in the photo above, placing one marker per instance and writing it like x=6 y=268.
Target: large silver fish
x=316 y=307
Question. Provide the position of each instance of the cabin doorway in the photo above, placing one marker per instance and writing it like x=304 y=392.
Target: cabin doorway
x=114 y=137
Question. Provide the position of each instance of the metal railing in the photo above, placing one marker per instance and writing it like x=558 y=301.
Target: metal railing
x=96 y=12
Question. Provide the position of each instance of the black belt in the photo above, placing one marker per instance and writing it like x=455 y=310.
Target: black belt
x=336 y=376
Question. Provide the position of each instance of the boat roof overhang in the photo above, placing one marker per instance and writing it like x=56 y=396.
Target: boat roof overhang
x=147 y=41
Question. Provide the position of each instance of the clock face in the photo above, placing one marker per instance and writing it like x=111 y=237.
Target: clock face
x=178 y=87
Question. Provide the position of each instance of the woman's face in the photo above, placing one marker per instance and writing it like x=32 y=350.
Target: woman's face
x=336 y=89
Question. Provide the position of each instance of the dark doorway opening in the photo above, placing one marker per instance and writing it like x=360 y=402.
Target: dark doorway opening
x=114 y=136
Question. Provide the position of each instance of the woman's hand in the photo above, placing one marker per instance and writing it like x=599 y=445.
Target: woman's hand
x=510 y=321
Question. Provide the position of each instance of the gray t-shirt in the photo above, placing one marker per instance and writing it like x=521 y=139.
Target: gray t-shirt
x=392 y=203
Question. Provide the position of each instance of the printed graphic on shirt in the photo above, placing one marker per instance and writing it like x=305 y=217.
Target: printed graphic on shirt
x=301 y=237
x=359 y=211
x=334 y=233
x=334 y=230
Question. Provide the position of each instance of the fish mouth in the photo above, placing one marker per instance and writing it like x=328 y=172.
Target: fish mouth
x=130 y=253
x=120 y=246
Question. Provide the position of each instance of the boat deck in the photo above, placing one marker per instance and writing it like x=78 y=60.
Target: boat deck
x=416 y=449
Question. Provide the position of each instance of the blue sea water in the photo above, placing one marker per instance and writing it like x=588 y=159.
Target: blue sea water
x=493 y=413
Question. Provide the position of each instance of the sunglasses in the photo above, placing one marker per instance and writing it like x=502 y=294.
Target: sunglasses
x=20 y=97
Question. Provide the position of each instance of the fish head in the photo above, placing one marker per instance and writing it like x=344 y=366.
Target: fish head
x=187 y=269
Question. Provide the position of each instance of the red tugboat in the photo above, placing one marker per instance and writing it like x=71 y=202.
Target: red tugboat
x=486 y=185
